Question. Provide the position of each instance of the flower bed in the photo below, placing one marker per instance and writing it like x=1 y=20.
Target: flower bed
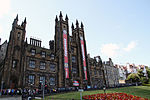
x=112 y=96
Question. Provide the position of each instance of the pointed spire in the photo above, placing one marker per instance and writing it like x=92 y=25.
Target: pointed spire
x=60 y=14
x=25 y=20
x=72 y=26
x=56 y=19
x=82 y=25
x=66 y=18
x=77 y=24
x=15 y=20
x=17 y=17
x=22 y=23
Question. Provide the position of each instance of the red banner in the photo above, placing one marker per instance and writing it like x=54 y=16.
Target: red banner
x=65 y=54
x=83 y=57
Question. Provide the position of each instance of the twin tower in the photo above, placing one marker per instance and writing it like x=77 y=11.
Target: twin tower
x=71 y=53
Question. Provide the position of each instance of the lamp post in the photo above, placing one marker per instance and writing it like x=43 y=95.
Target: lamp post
x=1 y=87
x=43 y=85
x=104 y=88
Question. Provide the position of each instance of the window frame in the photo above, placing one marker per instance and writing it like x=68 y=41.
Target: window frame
x=52 y=82
x=41 y=81
x=74 y=70
x=31 y=79
x=43 y=54
x=52 y=57
x=42 y=65
x=31 y=64
x=73 y=59
x=33 y=53
x=53 y=70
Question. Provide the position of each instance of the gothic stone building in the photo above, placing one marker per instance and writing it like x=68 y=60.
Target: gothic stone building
x=27 y=65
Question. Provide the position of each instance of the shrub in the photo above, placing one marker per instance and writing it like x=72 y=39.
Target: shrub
x=146 y=84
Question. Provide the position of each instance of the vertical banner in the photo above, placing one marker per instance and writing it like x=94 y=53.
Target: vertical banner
x=65 y=54
x=83 y=57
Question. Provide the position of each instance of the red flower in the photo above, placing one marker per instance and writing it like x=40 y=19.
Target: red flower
x=112 y=96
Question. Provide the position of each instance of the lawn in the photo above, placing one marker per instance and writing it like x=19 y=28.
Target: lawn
x=141 y=91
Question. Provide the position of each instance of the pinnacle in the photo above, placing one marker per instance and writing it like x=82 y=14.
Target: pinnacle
x=77 y=22
x=66 y=17
x=60 y=14
x=72 y=26
x=25 y=20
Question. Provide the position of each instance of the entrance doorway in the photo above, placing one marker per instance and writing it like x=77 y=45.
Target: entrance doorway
x=13 y=82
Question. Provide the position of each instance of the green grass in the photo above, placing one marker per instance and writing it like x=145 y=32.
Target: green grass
x=141 y=91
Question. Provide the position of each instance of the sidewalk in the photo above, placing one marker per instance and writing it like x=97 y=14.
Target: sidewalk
x=11 y=98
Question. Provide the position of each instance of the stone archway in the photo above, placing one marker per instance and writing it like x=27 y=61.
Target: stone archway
x=13 y=82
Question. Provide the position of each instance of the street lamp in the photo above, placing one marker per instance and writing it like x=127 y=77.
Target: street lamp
x=43 y=85
x=1 y=87
x=104 y=88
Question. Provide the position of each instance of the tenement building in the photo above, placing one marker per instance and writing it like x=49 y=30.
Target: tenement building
x=3 y=48
x=96 y=71
x=111 y=74
x=64 y=64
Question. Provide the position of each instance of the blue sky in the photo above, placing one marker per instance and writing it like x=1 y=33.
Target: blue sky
x=119 y=29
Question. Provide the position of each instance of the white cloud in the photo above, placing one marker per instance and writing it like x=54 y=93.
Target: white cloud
x=130 y=46
x=4 y=7
x=110 y=50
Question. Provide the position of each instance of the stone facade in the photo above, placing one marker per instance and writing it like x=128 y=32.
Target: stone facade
x=111 y=74
x=122 y=73
x=28 y=65
x=3 y=49
x=96 y=71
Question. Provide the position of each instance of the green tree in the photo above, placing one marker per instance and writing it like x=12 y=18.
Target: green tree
x=143 y=79
x=148 y=72
x=140 y=73
x=134 y=77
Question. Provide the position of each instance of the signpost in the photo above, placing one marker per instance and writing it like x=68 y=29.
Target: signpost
x=43 y=87
x=1 y=88
x=81 y=90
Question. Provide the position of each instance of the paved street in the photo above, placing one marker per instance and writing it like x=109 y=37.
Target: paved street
x=11 y=98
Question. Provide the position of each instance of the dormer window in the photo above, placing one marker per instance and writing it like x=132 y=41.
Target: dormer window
x=43 y=54
x=33 y=52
